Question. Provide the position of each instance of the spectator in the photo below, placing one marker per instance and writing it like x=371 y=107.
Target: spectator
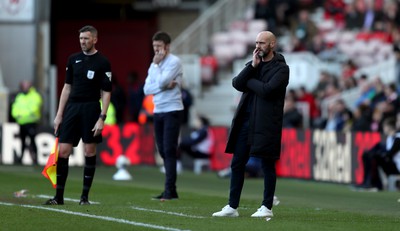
x=362 y=119
x=146 y=112
x=26 y=110
x=377 y=118
x=386 y=107
x=265 y=9
x=118 y=101
x=209 y=68
x=135 y=96
x=325 y=80
x=354 y=16
x=187 y=100
x=371 y=16
x=391 y=12
x=331 y=90
x=111 y=118
x=367 y=93
x=318 y=46
x=340 y=117
x=348 y=69
x=385 y=155
x=200 y=143
x=285 y=11
x=303 y=29
x=391 y=93
x=379 y=93
x=292 y=118
x=335 y=10
x=396 y=50
x=348 y=83
x=292 y=93
x=304 y=96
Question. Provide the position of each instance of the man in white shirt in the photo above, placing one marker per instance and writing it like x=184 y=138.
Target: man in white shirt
x=164 y=82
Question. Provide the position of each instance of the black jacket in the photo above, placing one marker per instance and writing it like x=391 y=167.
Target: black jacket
x=268 y=83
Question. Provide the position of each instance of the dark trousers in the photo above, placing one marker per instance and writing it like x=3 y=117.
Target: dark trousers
x=372 y=160
x=238 y=167
x=28 y=130
x=194 y=154
x=167 y=128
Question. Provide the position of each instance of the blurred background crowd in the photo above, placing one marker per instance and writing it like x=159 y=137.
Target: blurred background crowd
x=354 y=46
x=352 y=33
x=344 y=55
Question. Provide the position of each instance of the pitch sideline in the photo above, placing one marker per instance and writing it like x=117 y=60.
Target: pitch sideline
x=65 y=199
x=112 y=219
x=165 y=212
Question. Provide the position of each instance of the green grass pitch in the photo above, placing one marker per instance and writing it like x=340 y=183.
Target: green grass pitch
x=304 y=205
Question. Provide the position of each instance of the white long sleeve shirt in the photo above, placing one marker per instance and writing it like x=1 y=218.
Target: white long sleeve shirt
x=157 y=80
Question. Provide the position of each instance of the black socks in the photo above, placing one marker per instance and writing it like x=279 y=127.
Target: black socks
x=88 y=175
x=62 y=174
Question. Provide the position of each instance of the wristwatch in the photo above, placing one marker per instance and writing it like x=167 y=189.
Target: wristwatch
x=103 y=117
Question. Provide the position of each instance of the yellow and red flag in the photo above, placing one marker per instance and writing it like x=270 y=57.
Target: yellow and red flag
x=50 y=170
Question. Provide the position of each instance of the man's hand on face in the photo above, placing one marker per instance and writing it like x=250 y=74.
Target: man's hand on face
x=159 y=56
x=256 y=58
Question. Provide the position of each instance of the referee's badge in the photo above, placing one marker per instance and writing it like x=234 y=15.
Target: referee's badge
x=90 y=74
x=108 y=74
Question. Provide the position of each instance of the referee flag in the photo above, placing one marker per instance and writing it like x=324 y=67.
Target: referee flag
x=50 y=170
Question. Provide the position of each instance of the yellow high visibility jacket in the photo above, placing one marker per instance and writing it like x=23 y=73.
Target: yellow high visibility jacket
x=111 y=118
x=27 y=107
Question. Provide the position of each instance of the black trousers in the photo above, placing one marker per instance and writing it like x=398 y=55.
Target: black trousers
x=167 y=128
x=372 y=160
x=194 y=154
x=238 y=167
x=28 y=130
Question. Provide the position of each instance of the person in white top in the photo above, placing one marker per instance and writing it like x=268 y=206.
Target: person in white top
x=199 y=144
x=164 y=82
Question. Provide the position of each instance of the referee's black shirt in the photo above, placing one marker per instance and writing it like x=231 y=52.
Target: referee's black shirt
x=88 y=74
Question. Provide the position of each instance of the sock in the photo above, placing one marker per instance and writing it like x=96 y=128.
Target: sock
x=62 y=174
x=88 y=174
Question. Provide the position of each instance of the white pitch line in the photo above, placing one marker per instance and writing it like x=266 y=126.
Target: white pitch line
x=65 y=199
x=113 y=219
x=165 y=212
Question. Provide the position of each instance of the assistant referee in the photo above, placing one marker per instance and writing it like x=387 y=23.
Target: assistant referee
x=79 y=115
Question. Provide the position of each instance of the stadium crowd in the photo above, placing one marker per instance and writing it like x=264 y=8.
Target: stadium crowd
x=353 y=33
x=369 y=22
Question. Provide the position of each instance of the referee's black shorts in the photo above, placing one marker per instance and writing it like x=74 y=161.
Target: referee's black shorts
x=78 y=121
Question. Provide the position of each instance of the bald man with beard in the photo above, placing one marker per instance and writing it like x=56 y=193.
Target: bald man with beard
x=256 y=128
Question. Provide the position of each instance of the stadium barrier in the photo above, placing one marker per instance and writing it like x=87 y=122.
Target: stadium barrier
x=306 y=154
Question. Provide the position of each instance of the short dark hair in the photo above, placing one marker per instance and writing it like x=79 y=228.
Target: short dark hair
x=162 y=36
x=89 y=28
x=390 y=121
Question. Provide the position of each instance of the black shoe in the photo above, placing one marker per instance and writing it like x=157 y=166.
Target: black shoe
x=54 y=201
x=84 y=201
x=167 y=196
x=158 y=197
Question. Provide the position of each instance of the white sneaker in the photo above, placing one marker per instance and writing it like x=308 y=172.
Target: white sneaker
x=263 y=212
x=226 y=211
x=276 y=201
